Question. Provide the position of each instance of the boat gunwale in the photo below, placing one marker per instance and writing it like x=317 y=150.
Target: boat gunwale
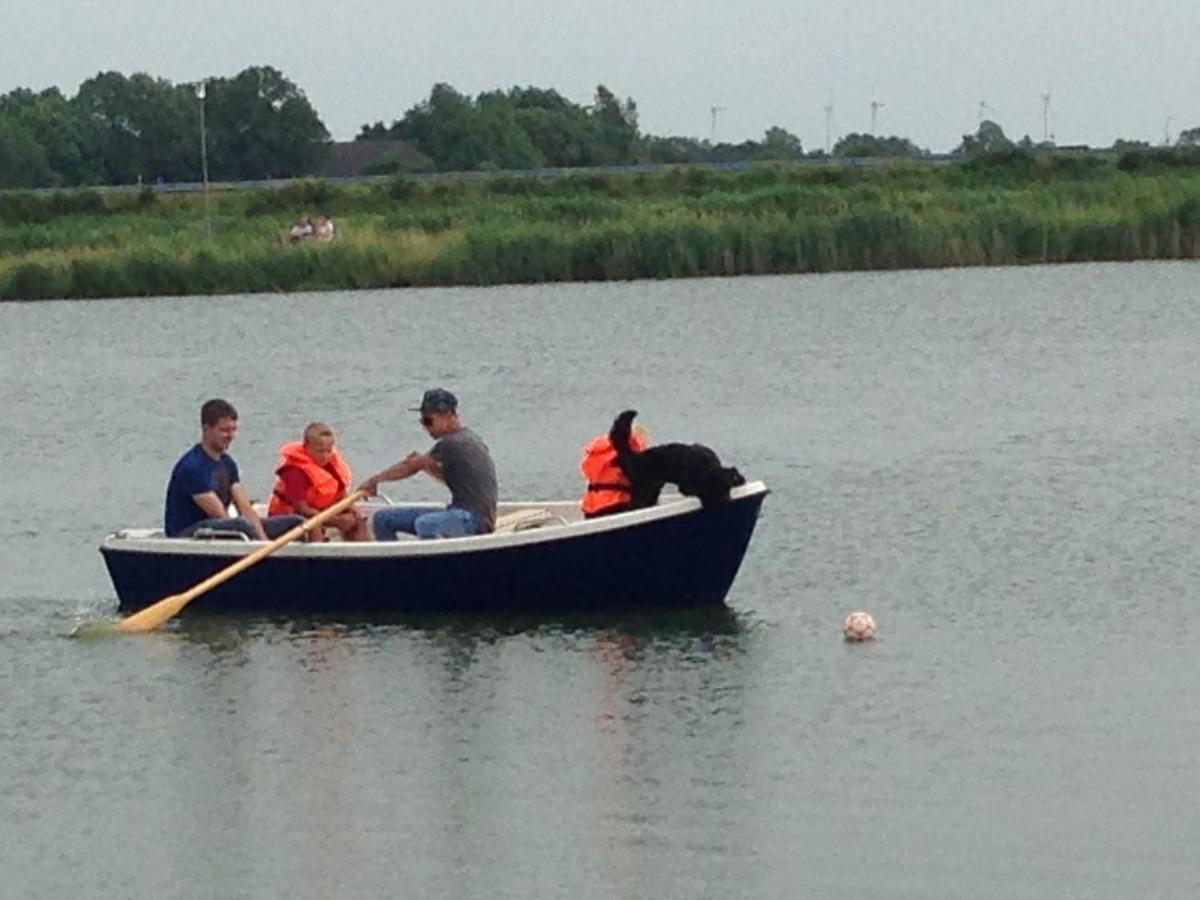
x=481 y=543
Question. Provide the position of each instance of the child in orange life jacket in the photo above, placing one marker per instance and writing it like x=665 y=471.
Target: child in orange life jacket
x=608 y=489
x=311 y=475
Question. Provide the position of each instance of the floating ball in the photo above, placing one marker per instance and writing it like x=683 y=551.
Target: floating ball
x=859 y=626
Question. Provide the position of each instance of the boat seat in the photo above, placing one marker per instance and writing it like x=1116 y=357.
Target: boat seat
x=526 y=520
x=218 y=534
x=139 y=534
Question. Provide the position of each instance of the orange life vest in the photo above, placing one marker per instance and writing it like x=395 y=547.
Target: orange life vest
x=607 y=485
x=325 y=487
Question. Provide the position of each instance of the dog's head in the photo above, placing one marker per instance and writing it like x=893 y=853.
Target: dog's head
x=718 y=483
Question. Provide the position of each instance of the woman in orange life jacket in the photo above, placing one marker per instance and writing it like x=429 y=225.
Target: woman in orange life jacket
x=311 y=475
x=608 y=490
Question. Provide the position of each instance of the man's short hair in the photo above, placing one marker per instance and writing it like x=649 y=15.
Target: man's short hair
x=213 y=411
x=314 y=430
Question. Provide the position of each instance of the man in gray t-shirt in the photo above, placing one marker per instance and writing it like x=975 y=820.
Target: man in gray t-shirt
x=460 y=459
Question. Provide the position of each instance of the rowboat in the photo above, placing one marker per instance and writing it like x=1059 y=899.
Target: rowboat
x=542 y=556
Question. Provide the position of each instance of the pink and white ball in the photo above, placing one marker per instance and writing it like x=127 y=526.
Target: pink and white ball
x=859 y=626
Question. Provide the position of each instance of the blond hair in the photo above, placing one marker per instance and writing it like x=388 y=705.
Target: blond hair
x=316 y=430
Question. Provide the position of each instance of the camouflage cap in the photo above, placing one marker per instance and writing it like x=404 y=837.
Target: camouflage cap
x=437 y=400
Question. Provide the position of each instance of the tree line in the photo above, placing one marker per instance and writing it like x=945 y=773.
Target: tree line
x=121 y=129
x=126 y=130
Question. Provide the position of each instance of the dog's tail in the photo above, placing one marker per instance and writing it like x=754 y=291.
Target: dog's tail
x=619 y=436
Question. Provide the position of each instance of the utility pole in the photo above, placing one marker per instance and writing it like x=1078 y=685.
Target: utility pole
x=201 y=93
x=876 y=106
x=1167 y=131
x=1046 y=117
x=712 y=132
x=828 y=128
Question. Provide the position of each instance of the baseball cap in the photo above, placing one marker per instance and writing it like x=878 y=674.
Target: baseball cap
x=436 y=400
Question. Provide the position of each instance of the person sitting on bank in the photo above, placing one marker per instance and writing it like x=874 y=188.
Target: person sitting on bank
x=312 y=475
x=460 y=459
x=302 y=230
x=324 y=229
x=205 y=481
x=607 y=488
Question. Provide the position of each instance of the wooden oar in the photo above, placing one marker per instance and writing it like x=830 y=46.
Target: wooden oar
x=154 y=615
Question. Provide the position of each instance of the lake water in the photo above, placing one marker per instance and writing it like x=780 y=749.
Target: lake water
x=999 y=464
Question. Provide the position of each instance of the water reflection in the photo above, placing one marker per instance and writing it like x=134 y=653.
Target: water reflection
x=219 y=631
x=318 y=735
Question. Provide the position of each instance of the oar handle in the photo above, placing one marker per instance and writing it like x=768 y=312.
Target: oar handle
x=266 y=550
x=154 y=615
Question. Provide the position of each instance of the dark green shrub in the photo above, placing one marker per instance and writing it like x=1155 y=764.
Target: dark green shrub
x=1158 y=158
x=305 y=194
x=402 y=188
x=513 y=185
x=33 y=281
x=101 y=278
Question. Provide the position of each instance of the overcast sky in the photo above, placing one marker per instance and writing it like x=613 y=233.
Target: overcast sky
x=1113 y=69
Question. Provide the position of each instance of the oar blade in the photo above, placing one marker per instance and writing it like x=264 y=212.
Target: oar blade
x=152 y=616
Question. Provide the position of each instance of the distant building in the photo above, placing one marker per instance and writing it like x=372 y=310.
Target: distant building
x=349 y=158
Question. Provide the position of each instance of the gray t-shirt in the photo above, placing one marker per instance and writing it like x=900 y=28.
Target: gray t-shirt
x=470 y=474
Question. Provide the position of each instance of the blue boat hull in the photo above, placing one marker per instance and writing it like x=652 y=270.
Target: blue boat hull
x=678 y=561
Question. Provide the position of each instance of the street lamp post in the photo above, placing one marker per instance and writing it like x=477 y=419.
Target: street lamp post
x=201 y=93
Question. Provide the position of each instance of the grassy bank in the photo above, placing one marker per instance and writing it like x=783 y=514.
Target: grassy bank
x=670 y=223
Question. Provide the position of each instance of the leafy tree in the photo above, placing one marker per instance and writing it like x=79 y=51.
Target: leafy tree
x=858 y=145
x=142 y=127
x=725 y=152
x=988 y=141
x=616 y=128
x=674 y=150
x=780 y=144
x=435 y=124
x=458 y=133
x=515 y=129
x=562 y=137
x=376 y=131
x=260 y=125
x=502 y=141
x=64 y=134
x=23 y=161
x=559 y=129
x=1189 y=137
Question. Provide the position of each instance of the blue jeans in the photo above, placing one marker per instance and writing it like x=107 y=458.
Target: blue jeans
x=274 y=526
x=423 y=522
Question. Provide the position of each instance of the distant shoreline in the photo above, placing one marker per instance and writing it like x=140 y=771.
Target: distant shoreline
x=670 y=222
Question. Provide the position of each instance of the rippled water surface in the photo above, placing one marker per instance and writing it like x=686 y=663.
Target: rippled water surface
x=999 y=464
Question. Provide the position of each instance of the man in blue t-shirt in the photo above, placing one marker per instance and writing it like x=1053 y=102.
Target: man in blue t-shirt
x=205 y=481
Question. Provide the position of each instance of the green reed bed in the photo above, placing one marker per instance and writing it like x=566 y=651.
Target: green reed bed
x=679 y=222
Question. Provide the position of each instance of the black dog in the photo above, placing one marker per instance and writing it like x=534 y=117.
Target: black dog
x=693 y=467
